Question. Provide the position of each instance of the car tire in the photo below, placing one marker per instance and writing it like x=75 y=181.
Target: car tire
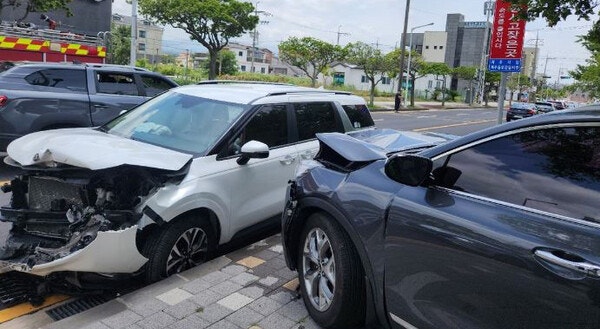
x=188 y=242
x=331 y=277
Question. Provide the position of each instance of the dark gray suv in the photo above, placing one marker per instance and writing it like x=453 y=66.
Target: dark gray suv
x=44 y=96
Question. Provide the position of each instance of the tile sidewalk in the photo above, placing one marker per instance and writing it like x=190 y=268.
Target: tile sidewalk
x=250 y=288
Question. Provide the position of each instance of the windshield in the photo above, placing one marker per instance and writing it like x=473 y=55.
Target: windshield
x=177 y=121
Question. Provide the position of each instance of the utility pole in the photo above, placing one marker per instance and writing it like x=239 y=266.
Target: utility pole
x=133 y=46
x=488 y=10
x=340 y=33
x=403 y=46
x=255 y=35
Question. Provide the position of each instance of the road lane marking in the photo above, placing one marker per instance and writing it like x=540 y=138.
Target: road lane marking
x=377 y=120
x=454 y=125
x=26 y=308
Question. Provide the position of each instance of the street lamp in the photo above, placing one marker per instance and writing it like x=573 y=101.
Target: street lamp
x=409 y=58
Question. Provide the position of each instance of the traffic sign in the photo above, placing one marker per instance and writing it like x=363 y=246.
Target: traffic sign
x=506 y=44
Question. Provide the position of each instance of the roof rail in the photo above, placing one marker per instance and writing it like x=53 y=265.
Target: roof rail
x=318 y=91
x=217 y=82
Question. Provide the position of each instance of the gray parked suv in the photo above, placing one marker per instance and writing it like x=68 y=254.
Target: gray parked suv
x=44 y=96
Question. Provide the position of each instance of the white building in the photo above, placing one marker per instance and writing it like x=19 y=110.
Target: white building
x=351 y=75
x=149 y=37
x=260 y=64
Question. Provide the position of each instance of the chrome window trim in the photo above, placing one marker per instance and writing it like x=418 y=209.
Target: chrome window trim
x=512 y=205
x=528 y=209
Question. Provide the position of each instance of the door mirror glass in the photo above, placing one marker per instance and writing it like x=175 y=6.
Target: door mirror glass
x=410 y=170
x=253 y=150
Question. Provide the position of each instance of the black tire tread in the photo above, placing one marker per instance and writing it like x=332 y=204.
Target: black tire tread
x=158 y=245
x=348 y=312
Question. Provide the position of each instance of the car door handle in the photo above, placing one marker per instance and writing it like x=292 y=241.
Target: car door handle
x=308 y=155
x=100 y=106
x=288 y=160
x=578 y=265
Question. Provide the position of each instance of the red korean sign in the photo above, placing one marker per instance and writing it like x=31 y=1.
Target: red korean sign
x=506 y=44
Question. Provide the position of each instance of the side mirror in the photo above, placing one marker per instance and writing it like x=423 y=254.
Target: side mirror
x=253 y=150
x=409 y=170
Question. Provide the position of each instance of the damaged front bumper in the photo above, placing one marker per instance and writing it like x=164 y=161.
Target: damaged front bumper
x=109 y=252
x=77 y=220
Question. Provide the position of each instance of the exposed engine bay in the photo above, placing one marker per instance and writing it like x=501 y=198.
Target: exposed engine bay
x=57 y=211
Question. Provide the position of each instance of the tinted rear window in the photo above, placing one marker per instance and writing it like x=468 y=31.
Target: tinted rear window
x=359 y=115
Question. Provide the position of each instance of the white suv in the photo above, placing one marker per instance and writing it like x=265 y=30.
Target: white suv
x=159 y=188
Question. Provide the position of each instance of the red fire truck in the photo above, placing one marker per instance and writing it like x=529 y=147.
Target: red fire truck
x=23 y=43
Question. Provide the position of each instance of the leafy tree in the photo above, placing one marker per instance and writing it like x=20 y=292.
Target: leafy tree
x=212 y=23
x=442 y=71
x=556 y=10
x=588 y=76
x=416 y=64
x=468 y=73
x=226 y=63
x=492 y=79
x=310 y=55
x=39 y=6
x=120 y=44
x=373 y=63
x=517 y=82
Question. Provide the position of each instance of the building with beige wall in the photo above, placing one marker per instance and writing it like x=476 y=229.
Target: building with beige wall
x=149 y=37
x=434 y=43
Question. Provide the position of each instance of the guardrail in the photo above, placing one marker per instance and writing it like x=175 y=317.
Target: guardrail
x=10 y=30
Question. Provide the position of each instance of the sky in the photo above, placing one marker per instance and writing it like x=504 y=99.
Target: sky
x=380 y=23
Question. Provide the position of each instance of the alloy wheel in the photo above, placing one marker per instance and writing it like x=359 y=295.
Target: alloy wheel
x=189 y=250
x=318 y=269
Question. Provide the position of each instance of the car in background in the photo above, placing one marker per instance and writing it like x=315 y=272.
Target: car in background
x=496 y=229
x=545 y=107
x=559 y=105
x=43 y=96
x=158 y=189
x=518 y=110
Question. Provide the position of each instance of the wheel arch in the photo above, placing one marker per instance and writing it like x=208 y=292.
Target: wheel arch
x=202 y=212
x=375 y=316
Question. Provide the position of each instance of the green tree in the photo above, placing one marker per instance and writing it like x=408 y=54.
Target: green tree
x=468 y=73
x=310 y=55
x=373 y=63
x=40 y=6
x=226 y=63
x=588 y=76
x=416 y=64
x=516 y=83
x=556 y=10
x=442 y=71
x=212 y=23
x=492 y=79
x=120 y=44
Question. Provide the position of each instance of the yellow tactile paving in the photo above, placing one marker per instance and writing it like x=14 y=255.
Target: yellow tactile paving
x=250 y=262
x=292 y=285
x=26 y=308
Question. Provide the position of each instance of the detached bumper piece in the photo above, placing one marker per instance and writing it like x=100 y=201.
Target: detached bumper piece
x=17 y=288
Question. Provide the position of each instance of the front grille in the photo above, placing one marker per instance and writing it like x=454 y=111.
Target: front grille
x=43 y=190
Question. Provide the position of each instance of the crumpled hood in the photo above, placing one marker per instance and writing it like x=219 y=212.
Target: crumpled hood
x=91 y=149
x=391 y=141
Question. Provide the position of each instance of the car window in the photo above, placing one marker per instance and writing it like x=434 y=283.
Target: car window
x=155 y=85
x=269 y=125
x=359 y=115
x=315 y=117
x=177 y=121
x=58 y=78
x=554 y=170
x=115 y=83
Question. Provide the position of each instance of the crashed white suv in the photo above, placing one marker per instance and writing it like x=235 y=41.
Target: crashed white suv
x=159 y=188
